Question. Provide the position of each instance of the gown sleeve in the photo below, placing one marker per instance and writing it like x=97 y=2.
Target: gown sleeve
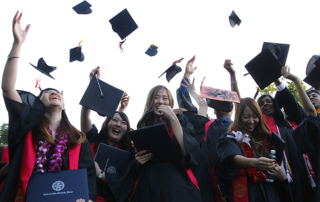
x=92 y=134
x=192 y=145
x=291 y=107
x=226 y=149
x=86 y=162
x=306 y=135
x=22 y=118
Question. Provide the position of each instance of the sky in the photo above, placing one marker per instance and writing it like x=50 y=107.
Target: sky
x=179 y=29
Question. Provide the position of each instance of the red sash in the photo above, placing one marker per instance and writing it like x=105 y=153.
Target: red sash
x=217 y=191
x=29 y=159
x=5 y=154
x=188 y=170
x=240 y=187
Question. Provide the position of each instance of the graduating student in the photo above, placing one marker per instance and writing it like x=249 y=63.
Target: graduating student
x=243 y=158
x=294 y=163
x=168 y=181
x=114 y=132
x=38 y=125
x=203 y=171
x=314 y=96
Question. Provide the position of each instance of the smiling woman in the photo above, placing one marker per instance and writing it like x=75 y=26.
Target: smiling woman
x=41 y=138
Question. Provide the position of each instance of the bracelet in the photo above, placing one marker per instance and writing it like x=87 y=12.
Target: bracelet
x=10 y=57
x=236 y=82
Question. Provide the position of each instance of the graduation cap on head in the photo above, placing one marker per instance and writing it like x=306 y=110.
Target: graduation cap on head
x=313 y=72
x=44 y=68
x=279 y=50
x=123 y=24
x=76 y=53
x=101 y=97
x=220 y=105
x=234 y=19
x=83 y=8
x=152 y=50
x=264 y=68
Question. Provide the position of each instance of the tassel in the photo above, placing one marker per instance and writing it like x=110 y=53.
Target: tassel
x=121 y=42
x=289 y=177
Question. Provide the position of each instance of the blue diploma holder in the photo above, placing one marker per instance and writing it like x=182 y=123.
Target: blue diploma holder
x=66 y=185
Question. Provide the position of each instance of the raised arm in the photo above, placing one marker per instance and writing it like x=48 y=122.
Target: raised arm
x=85 y=119
x=228 y=65
x=9 y=76
x=305 y=101
x=124 y=102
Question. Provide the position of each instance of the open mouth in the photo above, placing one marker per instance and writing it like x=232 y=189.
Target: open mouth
x=116 y=131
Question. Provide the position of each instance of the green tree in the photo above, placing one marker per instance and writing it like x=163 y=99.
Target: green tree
x=271 y=89
x=4 y=134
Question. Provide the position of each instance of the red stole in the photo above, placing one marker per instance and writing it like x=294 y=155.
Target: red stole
x=29 y=159
x=217 y=191
x=240 y=187
x=5 y=154
x=188 y=170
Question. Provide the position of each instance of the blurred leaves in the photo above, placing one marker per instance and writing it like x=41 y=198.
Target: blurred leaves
x=4 y=134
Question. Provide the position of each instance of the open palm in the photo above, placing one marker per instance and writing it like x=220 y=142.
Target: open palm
x=18 y=34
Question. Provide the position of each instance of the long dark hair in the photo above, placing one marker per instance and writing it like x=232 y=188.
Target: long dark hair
x=148 y=117
x=277 y=114
x=261 y=133
x=41 y=133
x=125 y=141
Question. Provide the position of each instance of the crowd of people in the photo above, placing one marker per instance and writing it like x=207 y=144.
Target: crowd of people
x=219 y=159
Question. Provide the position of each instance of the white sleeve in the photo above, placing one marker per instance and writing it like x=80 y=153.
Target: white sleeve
x=281 y=87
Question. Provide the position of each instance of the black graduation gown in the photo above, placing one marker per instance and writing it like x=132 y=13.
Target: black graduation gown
x=261 y=192
x=107 y=190
x=169 y=182
x=300 y=187
x=203 y=170
x=23 y=117
x=307 y=138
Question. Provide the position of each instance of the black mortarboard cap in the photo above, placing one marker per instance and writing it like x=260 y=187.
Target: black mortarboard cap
x=234 y=19
x=184 y=101
x=313 y=72
x=220 y=105
x=171 y=72
x=311 y=64
x=123 y=24
x=279 y=50
x=101 y=97
x=44 y=68
x=76 y=54
x=264 y=68
x=83 y=8
x=152 y=50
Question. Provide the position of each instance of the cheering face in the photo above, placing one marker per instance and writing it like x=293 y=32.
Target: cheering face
x=315 y=99
x=52 y=98
x=161 y=98
x=249 y=119
x=266 y=106
x=117 y=127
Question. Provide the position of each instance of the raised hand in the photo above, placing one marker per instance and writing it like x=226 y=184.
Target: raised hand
x=93 y=72
x=18 y=34
x=285 y=71
x=177 y=61
x=204 y=78
x=228 y=65
x=189 y=86
x=189 y=68
x=124 y=102
x=167 y=112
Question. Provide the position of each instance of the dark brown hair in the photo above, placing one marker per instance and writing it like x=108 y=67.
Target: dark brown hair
x=125 y=141
x=40 y=132
x=148 y=117
x=260 y=136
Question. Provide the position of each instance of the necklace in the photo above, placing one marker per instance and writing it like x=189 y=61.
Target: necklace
x=57 y=156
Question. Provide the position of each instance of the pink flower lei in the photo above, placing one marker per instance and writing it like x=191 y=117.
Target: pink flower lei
x=57 y=156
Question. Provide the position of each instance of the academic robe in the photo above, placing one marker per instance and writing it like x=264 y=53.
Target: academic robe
x=307 y=138
x=105 y=192
x=300 y=187
x=23 y=117
x=170 y=182
x=261 y=191
x=203 y=170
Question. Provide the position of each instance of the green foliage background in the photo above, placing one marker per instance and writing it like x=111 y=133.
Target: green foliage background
x=4 y=134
